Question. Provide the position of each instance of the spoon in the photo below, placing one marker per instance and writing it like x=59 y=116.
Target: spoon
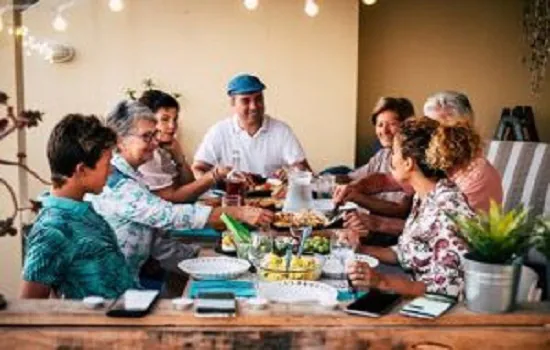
x=306 y=232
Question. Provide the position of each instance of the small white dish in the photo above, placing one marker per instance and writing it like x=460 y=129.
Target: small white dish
x=181 y=304
x=93 y=302
x=257 y=303
x=330 y=304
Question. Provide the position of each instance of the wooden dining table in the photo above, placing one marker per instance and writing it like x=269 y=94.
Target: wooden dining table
x=65 y=324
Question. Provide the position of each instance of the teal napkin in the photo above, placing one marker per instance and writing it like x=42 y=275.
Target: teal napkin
x=346 y=295
x=243 y=289
x=204 y=232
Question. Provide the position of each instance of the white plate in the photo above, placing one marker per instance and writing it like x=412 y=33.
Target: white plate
x=214 y=268
x=297 y=292
x=326 y=205
x=333 y=267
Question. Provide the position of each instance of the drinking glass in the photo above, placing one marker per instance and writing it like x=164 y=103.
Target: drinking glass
x=231 y=200
x=260 y=246
x=342 y=250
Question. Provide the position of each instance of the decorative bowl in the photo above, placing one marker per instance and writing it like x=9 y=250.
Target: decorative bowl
x=298 y=292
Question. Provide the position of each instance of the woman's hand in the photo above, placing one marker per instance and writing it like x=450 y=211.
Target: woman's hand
x=253 y=216
x=358 y=221
x=349 y=236
x=362 y=275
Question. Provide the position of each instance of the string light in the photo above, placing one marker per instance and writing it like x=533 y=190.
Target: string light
x=311 y=8
x=369 y=2
x=59 y=23
x=251 y=4
x=116 y=5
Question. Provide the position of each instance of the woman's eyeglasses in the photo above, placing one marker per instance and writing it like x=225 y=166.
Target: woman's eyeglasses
x=147 y=137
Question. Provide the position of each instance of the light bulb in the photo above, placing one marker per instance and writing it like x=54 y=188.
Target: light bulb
x=369 y=2
x=59 y=23
x=311 y=8
x=116 y=5
x=251 y=4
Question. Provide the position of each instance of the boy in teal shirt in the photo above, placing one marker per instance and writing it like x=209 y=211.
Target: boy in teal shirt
x=71 y=250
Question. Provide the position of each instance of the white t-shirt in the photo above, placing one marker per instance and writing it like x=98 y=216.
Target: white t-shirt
x=273 y=146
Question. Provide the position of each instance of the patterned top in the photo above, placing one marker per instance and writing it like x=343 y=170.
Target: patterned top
x=160 y=172
x=480 y=182
x=379 y=163
x=140 y=219
x=73 y=250
x=430 y=246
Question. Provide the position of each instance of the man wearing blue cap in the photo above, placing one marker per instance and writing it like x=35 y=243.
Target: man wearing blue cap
x=264 y=144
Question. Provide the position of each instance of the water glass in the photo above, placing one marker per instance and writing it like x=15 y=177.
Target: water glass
x=342 y=249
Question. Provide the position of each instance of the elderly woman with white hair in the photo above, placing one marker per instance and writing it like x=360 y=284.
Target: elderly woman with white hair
x=478 y=180
x=140 y=218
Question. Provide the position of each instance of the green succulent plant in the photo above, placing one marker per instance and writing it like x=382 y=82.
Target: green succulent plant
x=496 y=236
x=541 y=239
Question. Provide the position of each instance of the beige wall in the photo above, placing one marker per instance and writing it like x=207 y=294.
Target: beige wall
x=413 y=48
x=194 y=47
x=10 y=247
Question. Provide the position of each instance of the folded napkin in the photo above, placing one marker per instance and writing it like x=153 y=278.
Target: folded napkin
x=243 y=289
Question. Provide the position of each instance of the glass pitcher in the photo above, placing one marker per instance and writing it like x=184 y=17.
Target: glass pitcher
x=298 y=196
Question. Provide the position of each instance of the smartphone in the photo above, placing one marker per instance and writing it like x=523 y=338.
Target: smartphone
x=216 y=304
x=374 y=304
x=133 y=303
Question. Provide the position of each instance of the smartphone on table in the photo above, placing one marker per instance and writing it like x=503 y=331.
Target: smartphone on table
x=374 y=304
x=216 y=304
x=133 y=303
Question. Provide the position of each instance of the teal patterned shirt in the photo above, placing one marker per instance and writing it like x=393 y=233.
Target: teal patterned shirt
x=73 y=250
x=141 y=220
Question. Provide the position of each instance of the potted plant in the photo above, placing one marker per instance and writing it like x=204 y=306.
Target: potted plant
x=541 y=242
x=497 y=241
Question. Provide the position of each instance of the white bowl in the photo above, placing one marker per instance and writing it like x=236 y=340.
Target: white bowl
x=93 y=302
x=334 y=269
x=330 y=304
x=181 y=303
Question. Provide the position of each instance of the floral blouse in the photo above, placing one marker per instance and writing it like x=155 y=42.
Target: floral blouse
x=430 y=246
x=140 y=219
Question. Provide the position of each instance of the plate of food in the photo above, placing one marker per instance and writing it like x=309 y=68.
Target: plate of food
x=286 y=220
x=265 y=203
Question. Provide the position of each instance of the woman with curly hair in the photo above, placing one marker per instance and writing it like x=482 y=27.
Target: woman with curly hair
x=430 y=247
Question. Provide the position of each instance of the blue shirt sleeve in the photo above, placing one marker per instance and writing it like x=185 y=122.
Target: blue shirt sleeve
x=46 y=256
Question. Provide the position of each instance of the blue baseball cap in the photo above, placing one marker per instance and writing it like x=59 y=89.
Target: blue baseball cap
x=244 y=84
